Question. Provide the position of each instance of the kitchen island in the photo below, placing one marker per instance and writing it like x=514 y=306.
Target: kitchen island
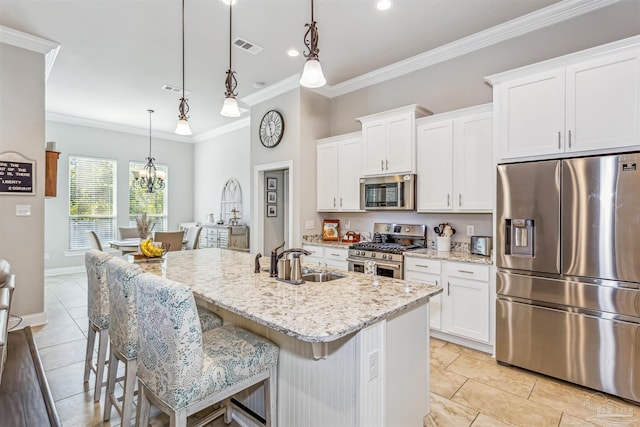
x=351 y=353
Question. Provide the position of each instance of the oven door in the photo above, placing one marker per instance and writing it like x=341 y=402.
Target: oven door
x=385 y=269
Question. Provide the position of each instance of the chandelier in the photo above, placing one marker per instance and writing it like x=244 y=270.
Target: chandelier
x=183 y=125
x=312 y=75
x=230 y=106
x=148 y=177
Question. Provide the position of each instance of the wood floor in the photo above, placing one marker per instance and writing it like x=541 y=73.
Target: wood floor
x=22 y=392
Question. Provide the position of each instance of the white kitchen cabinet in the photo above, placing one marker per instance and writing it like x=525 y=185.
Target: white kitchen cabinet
x=427 y=271
x=388 y=140
x=455 y=161
x=339 y=169
x=214 y=236
x=578 y=103
x=326 y=256
x=465 y=301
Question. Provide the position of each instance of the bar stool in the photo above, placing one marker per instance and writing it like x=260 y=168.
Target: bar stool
x=123 y=334
x=182 y=370
x=98 y=311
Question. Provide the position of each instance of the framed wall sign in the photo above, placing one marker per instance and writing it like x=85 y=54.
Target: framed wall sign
x=331 y=229
x=17 y=174
x=272 y=183
x=272 y=210
x=272 y=197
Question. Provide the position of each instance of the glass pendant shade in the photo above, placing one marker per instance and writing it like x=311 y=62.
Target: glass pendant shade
x=230 y=107
x=183 y=127
x=312 y=76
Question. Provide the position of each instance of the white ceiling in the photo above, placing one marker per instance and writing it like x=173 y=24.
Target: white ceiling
x=116 y=55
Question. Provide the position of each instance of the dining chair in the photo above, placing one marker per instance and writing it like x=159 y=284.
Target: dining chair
x=193 y=237
x=182 y=370
x=128 y=233
x=123 y=334
x=94 y=240
x=98 y=313
x=173 y=238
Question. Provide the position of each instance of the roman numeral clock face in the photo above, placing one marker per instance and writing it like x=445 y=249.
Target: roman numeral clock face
x=271 y=129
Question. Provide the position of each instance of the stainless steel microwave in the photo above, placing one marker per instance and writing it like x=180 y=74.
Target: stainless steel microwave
x=395 y=192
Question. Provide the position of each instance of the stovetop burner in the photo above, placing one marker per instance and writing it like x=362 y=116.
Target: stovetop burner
x=393 y=248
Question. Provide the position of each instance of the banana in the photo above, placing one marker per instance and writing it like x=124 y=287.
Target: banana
x=148 y=249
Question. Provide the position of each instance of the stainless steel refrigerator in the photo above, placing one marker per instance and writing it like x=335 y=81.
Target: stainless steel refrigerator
x=568 y=258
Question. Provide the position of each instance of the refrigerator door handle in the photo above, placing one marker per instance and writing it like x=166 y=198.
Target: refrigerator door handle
x=559 y=136
x=569 y=138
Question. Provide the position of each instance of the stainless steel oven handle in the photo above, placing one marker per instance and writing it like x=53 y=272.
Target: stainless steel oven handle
x=378 y=264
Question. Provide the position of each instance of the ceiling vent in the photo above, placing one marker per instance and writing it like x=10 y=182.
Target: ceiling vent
x=247 y=46
x=176 y=89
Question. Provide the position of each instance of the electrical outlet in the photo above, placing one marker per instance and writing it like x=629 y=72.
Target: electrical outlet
x=374 y=365
x=46 y=256
x=471 y=230
x=348 y=225
x=310 y=224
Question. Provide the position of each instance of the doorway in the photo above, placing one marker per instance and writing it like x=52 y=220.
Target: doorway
x=272 y=195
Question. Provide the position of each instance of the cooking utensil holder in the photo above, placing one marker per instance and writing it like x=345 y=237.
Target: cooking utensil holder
x=443 y=244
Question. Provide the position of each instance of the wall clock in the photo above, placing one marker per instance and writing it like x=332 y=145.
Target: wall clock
x=271 y=129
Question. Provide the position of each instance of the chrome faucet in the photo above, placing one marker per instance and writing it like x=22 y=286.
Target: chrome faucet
x=257 y=263
x=273 y=268
x=295 y=268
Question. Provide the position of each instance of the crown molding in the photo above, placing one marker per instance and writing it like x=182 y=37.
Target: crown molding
x=271 y=91
x=79 y=121
x=221 y=130
x=533 y=21
x=33 y=43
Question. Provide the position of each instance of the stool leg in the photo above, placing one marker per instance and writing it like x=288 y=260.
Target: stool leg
x=103 y=339
x=88 y=359
x=271 y=398
x=111 y=385
x=130 y=369
x=142 y=411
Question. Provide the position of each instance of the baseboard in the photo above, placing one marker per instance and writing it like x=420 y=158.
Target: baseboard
x=21 y=322
x=64 y=270
x=485 y=348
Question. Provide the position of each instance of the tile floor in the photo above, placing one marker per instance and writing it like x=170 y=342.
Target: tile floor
x=468 y=388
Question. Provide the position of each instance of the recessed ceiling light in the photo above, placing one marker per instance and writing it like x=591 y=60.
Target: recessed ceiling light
x=227 y=2
x=384 y=4
x=293 y=52
x=258 y=85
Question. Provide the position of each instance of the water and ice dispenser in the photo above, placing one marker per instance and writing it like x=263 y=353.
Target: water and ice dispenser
x=519 y=235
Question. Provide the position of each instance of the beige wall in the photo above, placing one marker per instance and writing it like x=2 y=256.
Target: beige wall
x=22 y=100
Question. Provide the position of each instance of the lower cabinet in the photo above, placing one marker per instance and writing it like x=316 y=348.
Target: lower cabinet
x=326 y=256
x=214 y=236
x=463 y=308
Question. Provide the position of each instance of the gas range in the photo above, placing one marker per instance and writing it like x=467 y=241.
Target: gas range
x=390 y=242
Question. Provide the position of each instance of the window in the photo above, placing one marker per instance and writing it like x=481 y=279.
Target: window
x=153 y=204
x=92 y=200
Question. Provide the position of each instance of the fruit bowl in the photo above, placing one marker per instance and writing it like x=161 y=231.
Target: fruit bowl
x=151 y=251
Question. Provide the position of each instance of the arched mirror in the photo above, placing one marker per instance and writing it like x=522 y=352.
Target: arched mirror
x=231 y=202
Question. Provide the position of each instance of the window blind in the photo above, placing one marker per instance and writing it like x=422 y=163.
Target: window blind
x=92 y=200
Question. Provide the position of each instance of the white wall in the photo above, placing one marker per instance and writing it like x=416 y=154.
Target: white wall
x=22 y=100
x=214 y=162
x=123 y=147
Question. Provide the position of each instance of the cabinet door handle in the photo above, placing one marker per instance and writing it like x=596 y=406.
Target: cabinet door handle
x=559 y=136
x=448 y=288
x=465 y=271
x=569 y=138
x=436 y=283
x=381 y=165
x=387 y=161
x=448 y=199
x=422 y=265
x=335 y=254
x=459 y=199
x=340 y=201
x=334 y=202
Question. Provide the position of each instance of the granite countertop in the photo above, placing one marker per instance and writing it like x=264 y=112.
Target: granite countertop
x=311 y=312
x=330 y=244
x=449 y=256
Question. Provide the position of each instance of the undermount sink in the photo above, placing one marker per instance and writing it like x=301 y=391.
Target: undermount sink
x=321 y=276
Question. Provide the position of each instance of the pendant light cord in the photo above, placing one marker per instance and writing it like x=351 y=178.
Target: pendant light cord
x=150 y=112
x=312 y=21
x=182 y=49
x=230 y=12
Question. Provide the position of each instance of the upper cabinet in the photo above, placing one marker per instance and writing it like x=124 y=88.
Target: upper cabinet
x=582 y=102
x=455 y=161
x=389 y=141
x=339 y=168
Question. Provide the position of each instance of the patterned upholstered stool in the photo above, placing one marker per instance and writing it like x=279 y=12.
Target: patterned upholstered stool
x=182 y=370
x=98 y=308
x=123 y=334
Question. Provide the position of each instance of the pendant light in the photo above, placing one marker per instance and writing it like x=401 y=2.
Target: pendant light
x=312 y=76
x=148 y=177
x=230 y=106
x=183 y=124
